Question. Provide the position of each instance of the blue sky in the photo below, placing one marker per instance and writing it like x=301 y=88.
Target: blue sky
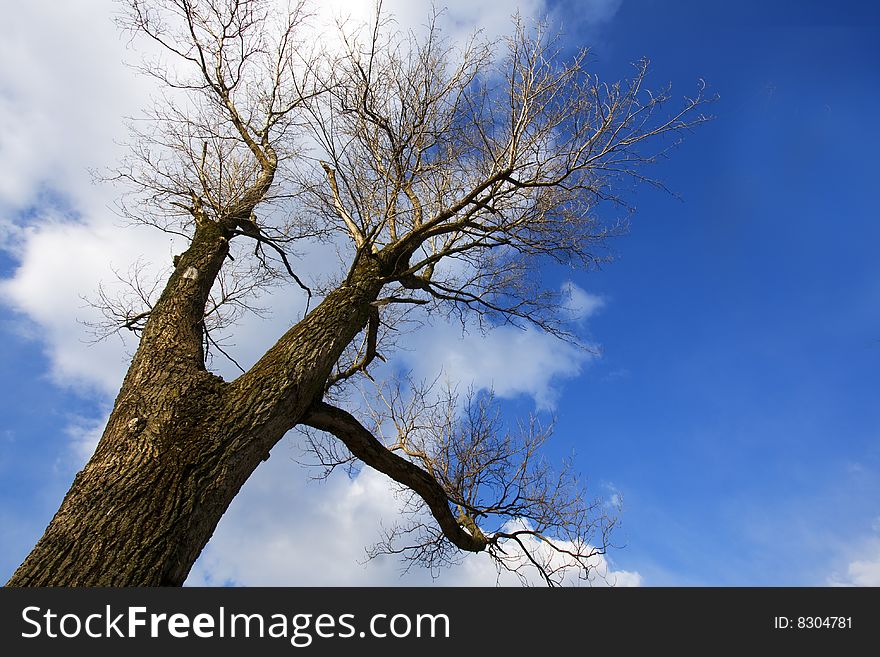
x=734 y=405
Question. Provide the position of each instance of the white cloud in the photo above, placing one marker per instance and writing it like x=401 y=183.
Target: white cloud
x=64 y=91
x=864 y=572
x=578 y=304
x=283 y=530
x=459 y=18
x=864 y=569
x=61 y=263
x=63 y=94
x=507 y=359
x=84 y=434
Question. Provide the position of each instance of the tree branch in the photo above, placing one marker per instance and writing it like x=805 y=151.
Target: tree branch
x=370 y=352
x=356 y=233
x=366 y=447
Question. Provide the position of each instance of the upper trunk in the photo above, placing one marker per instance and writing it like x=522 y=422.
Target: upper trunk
x=180 y=442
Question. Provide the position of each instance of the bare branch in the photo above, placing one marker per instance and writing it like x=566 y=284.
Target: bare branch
x=364 y=445
x=496 y=482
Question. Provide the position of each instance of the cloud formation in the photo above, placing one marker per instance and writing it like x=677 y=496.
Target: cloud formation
x=863 y=572
x=283 y=529
x=509 y=360
x=863 y=567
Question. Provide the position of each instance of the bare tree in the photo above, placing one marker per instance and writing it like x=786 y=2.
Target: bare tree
x=448 y=176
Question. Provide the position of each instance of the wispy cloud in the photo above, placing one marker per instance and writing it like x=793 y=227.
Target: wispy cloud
x=863 y=566
x=84 y=434
x=578 y=304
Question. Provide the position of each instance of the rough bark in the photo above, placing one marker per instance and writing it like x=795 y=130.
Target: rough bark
x=180 y=442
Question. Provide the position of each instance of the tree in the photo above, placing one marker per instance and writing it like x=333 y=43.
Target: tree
x=447 y=177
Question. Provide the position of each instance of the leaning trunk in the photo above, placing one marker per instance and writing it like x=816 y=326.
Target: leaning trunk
x=180 y=442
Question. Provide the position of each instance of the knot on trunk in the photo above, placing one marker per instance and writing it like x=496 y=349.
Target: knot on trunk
x=136 y=425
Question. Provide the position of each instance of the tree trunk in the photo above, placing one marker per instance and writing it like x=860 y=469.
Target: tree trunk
x=180 y=442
